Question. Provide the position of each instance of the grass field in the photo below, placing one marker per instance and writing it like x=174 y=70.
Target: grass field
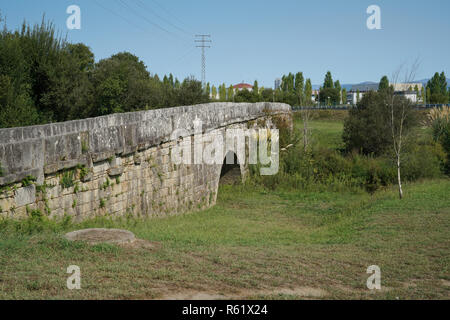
x=252 y=244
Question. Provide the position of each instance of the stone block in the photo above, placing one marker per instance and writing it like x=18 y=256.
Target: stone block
x=25 y=196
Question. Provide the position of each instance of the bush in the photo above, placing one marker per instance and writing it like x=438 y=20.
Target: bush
x=325 y=169
x=440 y=123
x=367 y=129
x=35 y=223
x=67 y=179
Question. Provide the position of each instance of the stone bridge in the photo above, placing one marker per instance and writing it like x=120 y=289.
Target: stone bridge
x=119 y=164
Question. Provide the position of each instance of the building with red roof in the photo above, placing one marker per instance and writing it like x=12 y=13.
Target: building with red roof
x=242 y=86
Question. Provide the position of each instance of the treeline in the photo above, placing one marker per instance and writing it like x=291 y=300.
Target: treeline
x=294 y=90
x=44 y=79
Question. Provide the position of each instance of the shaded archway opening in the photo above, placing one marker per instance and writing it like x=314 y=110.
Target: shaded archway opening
x=231 y=172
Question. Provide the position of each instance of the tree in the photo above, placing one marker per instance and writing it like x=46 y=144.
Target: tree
x=191 y=92
x=337 y=86
x=400 y=111
x=344 y=96
x=328 y=82
x=83 y=56
x=122 y=85
x=328 y=93
x=422 y=94
x=43 y=78
x=384 y=83
x=308 y=92
x=243 y=96
x=16 y=105
x=366 y=126
x=214 y=92
x=299 y=87
x=367 y=129
x=72 y=93
x=287 y=83
x=443 y=82
x=437 y=89
x=329 y=96
x=256 y=96
x=267 y=95
x=54 y=74
x=16 y=97
x=230 y=93
x=222 y=93
x=417 y=91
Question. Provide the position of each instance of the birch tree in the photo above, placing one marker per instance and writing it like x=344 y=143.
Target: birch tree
x=399 y=111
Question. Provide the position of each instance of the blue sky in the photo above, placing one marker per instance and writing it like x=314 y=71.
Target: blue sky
x=257 y=39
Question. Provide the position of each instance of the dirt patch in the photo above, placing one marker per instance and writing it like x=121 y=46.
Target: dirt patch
x=194 y=296
x=301 y=292
x=445 y=283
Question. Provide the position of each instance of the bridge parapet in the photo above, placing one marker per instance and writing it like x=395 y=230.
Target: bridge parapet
x=44 y=149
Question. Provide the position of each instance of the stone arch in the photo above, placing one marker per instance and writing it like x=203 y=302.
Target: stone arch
x=230 y=173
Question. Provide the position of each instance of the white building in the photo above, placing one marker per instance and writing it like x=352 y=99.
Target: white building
x=353 y=97
x=277 y=83
x=408 y=90
x=410 y=95
x=357 y=92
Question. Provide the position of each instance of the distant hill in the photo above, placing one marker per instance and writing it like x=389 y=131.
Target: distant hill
x=347 y=86
x=424 y=81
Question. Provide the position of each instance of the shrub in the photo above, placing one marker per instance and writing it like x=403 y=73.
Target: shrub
x=67 y=179
x=28 y=180
x=423 y=160
x=368 y=130
x=440 y=123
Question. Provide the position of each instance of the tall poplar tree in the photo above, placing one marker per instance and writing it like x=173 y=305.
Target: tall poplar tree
x=299 y=87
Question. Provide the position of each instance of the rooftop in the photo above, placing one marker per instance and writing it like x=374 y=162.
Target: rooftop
x=243 y=86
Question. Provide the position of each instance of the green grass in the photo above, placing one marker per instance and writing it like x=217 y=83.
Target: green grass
x=326 y=127
x=252 y=244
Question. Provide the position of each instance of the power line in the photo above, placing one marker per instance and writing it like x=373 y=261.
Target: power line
x=145 y=7
x=203 y=39
x=120 y=16
x=171 y=14
x=126 y=6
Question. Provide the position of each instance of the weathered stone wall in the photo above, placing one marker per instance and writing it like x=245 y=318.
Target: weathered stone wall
x=115 y=164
